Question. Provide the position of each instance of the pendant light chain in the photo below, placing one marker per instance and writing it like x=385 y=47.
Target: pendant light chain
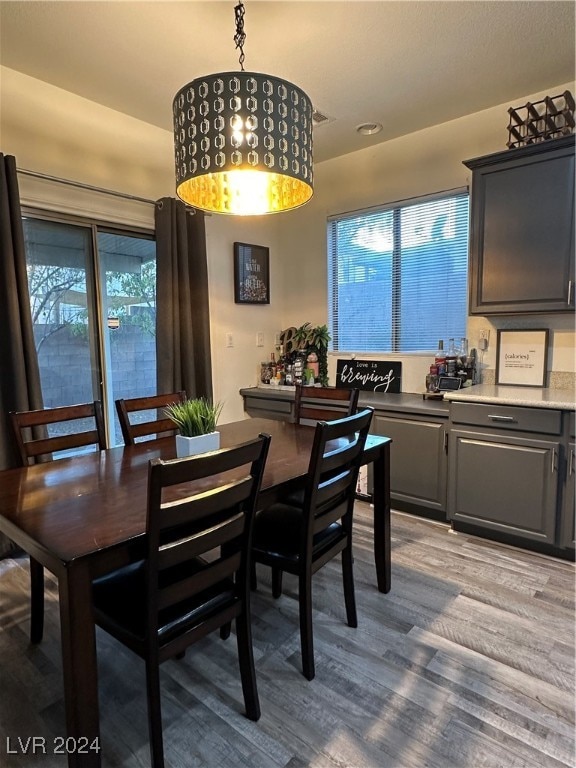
x=240 y=36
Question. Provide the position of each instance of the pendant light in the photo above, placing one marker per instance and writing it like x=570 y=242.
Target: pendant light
x=243 y=141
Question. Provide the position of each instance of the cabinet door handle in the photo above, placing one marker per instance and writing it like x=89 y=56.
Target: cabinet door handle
x=554 y=467
x=445 y=442
x=502 y=418
x=569 y=292
x=571 y=463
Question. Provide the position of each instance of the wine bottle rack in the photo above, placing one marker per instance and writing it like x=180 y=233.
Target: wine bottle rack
x=549 y=118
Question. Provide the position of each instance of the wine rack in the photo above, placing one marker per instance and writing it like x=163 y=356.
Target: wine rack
x=537 y=121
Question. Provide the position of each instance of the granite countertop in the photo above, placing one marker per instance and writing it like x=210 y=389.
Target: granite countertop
x=533 y=397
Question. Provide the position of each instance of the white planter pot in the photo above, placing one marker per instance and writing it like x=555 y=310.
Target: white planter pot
x=190 y=446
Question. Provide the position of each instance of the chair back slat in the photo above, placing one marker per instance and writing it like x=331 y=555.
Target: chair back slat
x=199 y=508
x=133 y=428
x=199 y=526
x=30 y=433
x=314 y=403
x=200 y=542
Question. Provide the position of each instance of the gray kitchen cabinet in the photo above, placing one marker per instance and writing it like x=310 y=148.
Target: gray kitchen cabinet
x=567 y=518
x=522 y=230
x=504 y=470
x=259 y=406
x=418 y=467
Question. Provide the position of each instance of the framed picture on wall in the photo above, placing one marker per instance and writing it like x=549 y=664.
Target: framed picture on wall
x=251 y=274
x=521 y=357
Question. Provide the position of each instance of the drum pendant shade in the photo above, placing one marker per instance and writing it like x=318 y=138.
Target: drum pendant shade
x=243 y=144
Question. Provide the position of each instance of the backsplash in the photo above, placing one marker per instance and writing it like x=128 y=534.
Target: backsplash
x=556 y=379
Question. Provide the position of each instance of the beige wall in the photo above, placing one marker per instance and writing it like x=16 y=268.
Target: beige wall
x=416 y=164
x=58 y=133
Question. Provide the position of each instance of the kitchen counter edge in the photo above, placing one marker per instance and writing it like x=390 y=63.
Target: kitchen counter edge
x=403 y=402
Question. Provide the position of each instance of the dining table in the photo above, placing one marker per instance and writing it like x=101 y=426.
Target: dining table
x=85 y=515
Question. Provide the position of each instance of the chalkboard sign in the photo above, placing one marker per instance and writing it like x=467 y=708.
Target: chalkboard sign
x=369 y=375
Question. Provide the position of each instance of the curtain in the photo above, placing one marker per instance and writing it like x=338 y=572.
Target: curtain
x=182 y=307
x=20 y=388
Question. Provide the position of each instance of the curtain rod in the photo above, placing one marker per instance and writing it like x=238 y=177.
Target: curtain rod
x=81 y=185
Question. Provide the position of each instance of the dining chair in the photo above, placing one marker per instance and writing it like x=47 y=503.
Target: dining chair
x=318 y=403
x=301 y=539
x=30 y=430
x=138 y=426
x=176 y=595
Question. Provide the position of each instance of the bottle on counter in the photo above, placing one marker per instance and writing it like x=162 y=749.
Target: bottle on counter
x=272 y=365
x=440 y=359
x=463 y=352
x=432 y=379
x=451 y=359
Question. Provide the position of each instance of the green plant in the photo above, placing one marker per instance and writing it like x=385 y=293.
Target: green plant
x=196 y=416
x=315 y=339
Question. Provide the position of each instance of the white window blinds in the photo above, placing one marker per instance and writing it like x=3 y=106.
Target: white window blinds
x=398 y=276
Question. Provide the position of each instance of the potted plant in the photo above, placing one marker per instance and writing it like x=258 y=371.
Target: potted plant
x=196 y=420
x=315 y=340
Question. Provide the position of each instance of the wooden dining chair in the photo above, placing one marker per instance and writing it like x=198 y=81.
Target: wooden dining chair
x=138 y=426
x=301 y=539
x=320 y=403
x=159 y=606
x=32 y=439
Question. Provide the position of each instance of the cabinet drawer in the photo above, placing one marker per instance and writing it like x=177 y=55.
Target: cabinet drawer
x=264 y=404
x=516 y=418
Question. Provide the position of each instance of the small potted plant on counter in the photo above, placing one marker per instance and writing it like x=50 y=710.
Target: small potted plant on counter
x=314 y=340
x=196 y=420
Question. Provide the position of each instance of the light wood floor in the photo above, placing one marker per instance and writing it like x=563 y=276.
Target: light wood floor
x=468 y=662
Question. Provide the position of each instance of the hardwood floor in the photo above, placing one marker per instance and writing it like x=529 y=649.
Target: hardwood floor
x=468 y=662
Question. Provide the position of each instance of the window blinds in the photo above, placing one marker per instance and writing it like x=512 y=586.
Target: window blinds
x=398 y=276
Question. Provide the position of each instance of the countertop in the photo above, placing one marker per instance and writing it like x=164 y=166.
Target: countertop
x=532 y=397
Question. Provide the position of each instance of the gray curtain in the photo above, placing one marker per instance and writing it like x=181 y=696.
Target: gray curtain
x=19 y=374
x=182 y=306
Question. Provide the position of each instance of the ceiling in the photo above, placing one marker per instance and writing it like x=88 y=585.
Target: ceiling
x=407 y=65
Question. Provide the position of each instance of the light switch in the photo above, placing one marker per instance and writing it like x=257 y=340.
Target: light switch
x=259 y=339
x=229 y=340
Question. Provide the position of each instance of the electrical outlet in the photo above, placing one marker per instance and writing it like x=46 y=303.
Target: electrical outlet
x=483 y=339
x=229 y=340
x=259 y=339
x=484 y=334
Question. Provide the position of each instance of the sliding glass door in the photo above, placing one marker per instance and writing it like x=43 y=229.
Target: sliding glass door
x=93 y=303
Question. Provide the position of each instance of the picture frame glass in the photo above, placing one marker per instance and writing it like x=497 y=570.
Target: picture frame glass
x=521 y=357
x=251 y=274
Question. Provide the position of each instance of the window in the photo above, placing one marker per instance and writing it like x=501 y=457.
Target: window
x=93 y=301
x=398 y=276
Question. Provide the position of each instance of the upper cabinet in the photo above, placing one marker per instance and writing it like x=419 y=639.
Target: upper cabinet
x=522 y=230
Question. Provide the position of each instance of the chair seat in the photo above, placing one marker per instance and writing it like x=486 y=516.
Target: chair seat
x=277 y=530
x=120 y=603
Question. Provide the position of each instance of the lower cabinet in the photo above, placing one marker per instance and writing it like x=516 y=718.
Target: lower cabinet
x=419 y=462
x=509 y=484
x=505 y=470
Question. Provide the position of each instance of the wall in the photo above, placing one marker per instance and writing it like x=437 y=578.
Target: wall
x=416 y=164
x=54 y=132
x=58 y=133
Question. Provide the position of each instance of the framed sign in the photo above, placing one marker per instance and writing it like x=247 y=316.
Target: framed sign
x=369 y=375
x=251 y=274
x=521 y=357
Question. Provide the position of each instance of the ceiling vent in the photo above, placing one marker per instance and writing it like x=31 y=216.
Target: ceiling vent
x=320 y=119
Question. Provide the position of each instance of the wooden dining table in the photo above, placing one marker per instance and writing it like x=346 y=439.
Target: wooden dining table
x=84 y=516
